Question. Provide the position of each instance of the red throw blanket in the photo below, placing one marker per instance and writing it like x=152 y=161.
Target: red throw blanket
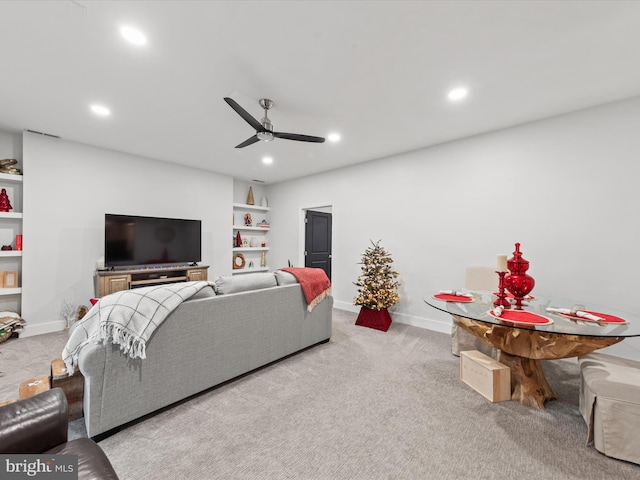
x=314 y=282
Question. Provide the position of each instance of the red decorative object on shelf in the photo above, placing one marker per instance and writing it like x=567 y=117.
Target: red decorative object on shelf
x=5 y=204
x=518 y=282
x=238 y=240
x=377 y=319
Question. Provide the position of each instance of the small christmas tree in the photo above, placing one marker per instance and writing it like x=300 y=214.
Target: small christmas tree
x=377 y=285
x=5 y=204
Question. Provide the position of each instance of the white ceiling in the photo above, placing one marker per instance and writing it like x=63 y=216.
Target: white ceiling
x=377 y=72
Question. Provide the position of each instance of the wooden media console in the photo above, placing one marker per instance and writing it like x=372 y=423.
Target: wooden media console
x=111 y=281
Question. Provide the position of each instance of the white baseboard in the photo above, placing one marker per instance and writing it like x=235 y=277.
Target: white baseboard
x=39 y=329
x=427 y=323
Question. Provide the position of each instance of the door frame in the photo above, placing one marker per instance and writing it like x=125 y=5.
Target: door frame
x=328 y=207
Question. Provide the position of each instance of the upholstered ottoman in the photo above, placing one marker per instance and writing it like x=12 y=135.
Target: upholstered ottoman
x=610 y=404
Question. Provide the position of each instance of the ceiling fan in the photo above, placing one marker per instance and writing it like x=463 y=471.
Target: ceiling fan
x=264 y=129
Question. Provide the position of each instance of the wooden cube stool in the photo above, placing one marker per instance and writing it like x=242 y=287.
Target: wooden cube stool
x=73 y=387
x=485 y=375
x=33 y=386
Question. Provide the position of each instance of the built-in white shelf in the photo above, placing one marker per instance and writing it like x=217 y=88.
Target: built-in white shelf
x=250 y=207
x=250 y=249
x=11 y=215
x=10 y=291
x=8 y=177
x=249 y=270
x=253 y=229
x=10 y=253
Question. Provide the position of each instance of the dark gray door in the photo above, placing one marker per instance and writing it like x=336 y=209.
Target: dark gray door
x=318 y=241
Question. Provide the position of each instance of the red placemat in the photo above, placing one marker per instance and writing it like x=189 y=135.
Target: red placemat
x=520 y=316
x=606 y=318
x=452 y=298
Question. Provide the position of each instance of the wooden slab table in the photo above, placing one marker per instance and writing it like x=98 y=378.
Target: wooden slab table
x=522 y=347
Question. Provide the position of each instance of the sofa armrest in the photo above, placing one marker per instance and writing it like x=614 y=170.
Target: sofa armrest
x=35 y=424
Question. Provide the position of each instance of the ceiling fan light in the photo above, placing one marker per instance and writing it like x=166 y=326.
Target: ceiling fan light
x=265 y=136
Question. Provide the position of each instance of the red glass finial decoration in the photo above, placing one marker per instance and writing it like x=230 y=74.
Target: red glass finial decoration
x=5 y=204
x=518 y=282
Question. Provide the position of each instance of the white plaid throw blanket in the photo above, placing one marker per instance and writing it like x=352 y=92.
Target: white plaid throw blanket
x=128 y=319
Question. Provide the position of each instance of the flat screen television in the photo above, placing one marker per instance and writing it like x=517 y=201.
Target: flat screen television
x=131 y=241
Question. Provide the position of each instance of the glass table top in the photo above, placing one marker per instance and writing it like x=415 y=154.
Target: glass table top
x=482 y=304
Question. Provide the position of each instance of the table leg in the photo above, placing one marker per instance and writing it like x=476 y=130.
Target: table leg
x=529 y=384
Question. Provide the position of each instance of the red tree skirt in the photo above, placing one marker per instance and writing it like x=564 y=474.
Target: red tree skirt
x=378 y=319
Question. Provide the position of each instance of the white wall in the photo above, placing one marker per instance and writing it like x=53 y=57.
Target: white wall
x=68 y=187
x=565 y=188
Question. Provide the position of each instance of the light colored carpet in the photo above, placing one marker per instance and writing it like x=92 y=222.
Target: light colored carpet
x=365 y=405
x=25 y=358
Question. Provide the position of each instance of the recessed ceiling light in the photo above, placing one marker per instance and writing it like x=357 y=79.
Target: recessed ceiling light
x=267 y=160
x=333 y=137
x=457 y=94
x=100 y=110
x=132 y=35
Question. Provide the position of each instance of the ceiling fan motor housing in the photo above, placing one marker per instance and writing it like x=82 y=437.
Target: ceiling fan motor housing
x=266 y=123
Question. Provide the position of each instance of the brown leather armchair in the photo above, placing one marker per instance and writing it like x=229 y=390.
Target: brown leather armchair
x=39 y=424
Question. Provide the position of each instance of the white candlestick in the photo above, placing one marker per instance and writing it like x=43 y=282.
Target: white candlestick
x=501 y=263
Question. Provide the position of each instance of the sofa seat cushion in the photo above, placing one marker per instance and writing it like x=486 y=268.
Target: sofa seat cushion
x=92 y=461
x=610 y=404
x=227 y=284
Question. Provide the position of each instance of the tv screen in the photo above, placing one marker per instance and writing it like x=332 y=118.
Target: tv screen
x=137 y=241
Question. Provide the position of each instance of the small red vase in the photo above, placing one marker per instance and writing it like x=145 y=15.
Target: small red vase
x=518 y=282
x=377 y=319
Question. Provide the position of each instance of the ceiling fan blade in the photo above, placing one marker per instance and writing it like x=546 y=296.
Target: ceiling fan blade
x=298 y=137
x=248 y=141
x=244 y=114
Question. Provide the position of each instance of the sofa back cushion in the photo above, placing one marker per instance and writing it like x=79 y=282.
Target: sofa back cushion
x=243 y=283
x=285 y=278
x=206 y=292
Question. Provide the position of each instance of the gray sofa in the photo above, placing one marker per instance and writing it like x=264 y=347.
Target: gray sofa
x=244 y=322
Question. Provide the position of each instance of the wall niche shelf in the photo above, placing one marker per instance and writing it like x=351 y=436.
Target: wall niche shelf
x=10 y=226
x=251 y=229
x=10 y=291
x=10 y=215
x=250 y=207
x=248 y=232
x=240 y=271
